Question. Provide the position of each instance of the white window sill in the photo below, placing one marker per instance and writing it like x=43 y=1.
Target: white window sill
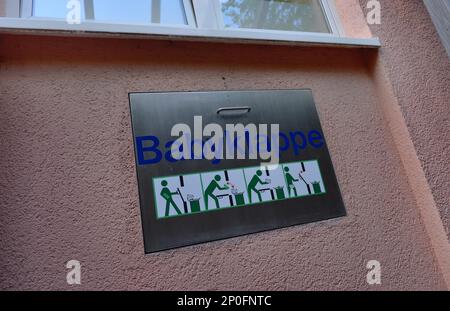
x=100 y=29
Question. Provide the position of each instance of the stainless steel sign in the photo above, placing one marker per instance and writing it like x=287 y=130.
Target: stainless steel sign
x=191 y=200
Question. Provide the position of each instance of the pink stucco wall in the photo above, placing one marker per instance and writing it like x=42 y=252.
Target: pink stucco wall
x=419 y=69
x=68 y=186
x=411 y=72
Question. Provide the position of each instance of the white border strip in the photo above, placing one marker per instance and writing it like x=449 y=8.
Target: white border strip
x=91 y=28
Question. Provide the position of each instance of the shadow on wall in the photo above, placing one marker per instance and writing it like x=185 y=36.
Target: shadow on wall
x=50 y=50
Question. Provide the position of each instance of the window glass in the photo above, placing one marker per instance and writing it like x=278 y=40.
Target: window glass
x=136 y=11
x=173 y=12
x=292 y=15
x=52 y=8
x=120 y=11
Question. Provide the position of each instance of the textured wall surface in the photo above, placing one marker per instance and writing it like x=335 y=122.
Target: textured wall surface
x=419 y=70
x=440 y=14
x=68 y=185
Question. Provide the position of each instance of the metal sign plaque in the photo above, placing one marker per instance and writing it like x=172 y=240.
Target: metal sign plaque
x=189 y=200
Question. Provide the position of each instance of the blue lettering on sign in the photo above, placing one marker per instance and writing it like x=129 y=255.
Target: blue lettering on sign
x=148 y=152
x=299 y=141
x=315 y=139
x=142 y=151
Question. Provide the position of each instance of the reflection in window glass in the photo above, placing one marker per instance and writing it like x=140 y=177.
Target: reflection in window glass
x=292 y=15
x=52 y=8
x=120 y=11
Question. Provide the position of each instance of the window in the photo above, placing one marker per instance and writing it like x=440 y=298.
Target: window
x=313 y=21
x=295 y=15
x=142 y=11
x=50 y=9
x=113 y=11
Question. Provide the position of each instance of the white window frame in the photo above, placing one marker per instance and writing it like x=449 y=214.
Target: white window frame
x=26 y=8
x=205 y=24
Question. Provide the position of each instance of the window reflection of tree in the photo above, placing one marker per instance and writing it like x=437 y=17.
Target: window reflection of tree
x=296 y=15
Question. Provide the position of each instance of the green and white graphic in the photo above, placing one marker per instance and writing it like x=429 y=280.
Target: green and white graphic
x=178 y=195
x=224 y=189
x=265 y=185
x=210 y=191
x=303 y=178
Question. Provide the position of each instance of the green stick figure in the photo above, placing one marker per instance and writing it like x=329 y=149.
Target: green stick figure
x=167 y=195
x=209 y=192
x=290 y=181
x=252 y=186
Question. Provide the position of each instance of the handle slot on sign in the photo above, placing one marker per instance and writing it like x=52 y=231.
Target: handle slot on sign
x=241 y=110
